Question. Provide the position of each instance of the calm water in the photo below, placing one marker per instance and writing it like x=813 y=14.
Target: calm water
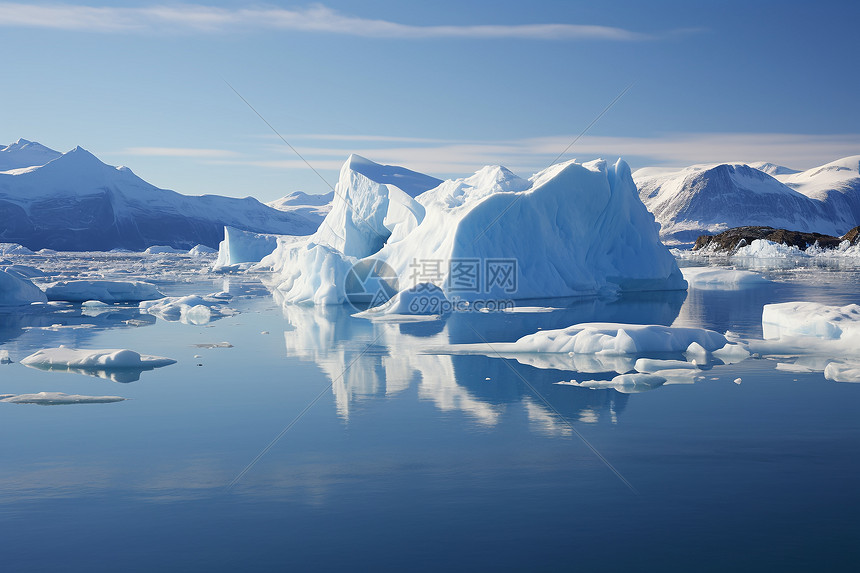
x=406 y=459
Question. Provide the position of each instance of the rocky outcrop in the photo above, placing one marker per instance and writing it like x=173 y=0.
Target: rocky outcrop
x=740 y=236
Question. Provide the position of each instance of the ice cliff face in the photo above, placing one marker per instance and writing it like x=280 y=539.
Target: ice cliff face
x=573 y=229
x=712 y=198
x=75 y=202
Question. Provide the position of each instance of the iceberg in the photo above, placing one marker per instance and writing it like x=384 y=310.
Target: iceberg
x=573 y=229
x=16 y=290
x=102 y=290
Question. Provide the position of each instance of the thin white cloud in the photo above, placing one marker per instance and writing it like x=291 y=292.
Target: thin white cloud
x=315 y=18
x=192 y=152
x=525 y=156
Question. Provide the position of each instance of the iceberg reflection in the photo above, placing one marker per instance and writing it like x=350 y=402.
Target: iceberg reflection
x=371 y=360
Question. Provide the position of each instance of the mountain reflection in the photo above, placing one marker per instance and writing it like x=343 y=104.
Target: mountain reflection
x=368 y=361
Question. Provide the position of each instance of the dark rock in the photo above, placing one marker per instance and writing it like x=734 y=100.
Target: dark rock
x=852 y=236
x=741 y=236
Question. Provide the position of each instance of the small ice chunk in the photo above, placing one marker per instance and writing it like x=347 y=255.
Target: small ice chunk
x=731 y=353
x=4 y=357
x=738 y=380
x=843 y=372
x=57 y=398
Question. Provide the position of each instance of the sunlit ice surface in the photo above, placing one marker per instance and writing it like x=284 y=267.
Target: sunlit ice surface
x=302 y=437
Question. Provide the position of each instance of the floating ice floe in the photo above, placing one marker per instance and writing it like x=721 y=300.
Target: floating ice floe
x=573 y=229
x=825 y=338
x=120 y=365
x=624 y=383
x=18 y=291
x=57 y=398
x=191 y=309
x=716 y=278
x=605 y=339
x=813 y=320
x=4 y=357
x=102 y=290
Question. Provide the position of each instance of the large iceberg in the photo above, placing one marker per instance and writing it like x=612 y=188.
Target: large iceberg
x=573 y=229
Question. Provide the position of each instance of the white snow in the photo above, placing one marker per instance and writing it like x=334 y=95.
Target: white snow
x=58 y=398
x=573 y=229
x=717 y=278
x=191 y=309
x=102 y=290
x=244 y=247
x=18 y=291
x=64 y=358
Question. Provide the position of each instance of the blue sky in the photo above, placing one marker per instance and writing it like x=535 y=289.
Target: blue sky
x=442 y=87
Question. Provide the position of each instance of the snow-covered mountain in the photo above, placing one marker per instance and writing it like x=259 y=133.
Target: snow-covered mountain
x=708 y=199
x=25 y=153
x=314 y=207
x=73 y=201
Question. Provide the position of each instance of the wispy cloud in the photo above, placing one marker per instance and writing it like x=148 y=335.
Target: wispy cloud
x=525 y=156
x=191 y=152
x=315 y=18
